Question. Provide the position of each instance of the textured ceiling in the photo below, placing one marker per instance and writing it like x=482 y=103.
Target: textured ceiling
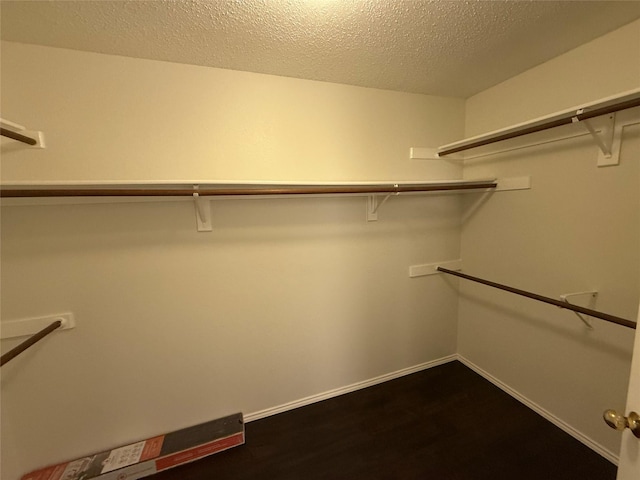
x=450 y=48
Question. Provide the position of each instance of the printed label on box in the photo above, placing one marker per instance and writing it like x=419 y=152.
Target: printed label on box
x=123 y=457
x=134 y=453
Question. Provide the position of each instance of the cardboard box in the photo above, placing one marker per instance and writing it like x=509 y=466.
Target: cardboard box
x=150 y=456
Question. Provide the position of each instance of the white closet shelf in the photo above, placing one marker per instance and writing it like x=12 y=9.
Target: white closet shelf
x=202 y=193
x=582 y=113
x=234 y=189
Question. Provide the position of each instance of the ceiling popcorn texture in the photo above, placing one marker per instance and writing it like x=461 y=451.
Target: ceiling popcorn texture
x=448 y=48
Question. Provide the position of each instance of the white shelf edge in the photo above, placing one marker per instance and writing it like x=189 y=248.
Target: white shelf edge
x=235 y=183
x=627 y=95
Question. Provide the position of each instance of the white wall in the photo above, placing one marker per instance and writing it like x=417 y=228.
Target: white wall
x=116 y=118
x=577 y=229
x=284 y=299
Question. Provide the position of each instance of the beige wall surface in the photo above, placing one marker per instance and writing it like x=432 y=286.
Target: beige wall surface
x=286 y=298
x=598 y=69
x=118 y=118
x=577 y=229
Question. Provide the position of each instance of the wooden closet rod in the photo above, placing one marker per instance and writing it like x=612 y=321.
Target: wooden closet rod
x=32 y=340
x=565 y=120
x=540 y=298
x=207 y=192
x=17 y=136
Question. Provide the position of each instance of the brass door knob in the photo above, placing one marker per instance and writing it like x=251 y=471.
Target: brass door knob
x=620 y=422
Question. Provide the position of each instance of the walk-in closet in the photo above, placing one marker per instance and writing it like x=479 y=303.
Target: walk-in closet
x=325 y=239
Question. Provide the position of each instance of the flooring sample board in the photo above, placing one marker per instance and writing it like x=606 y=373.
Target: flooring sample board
x=152 y=455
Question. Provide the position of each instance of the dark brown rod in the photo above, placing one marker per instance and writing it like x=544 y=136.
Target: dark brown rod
x=175 y=192
x=586 y=115
x=14 y=352
x=17 y=136
x=540 y=298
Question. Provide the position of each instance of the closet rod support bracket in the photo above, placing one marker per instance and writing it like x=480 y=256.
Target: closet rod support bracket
x=607 y=138
x=593 y=294
x=373 y=205
x=203 y=212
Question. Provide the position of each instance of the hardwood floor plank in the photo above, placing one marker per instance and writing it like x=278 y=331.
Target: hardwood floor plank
x=436 y=424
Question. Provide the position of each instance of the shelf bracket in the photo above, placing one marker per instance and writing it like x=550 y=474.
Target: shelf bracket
x=607 y=138
x=592 y=300
x=203 y=212
x=373 y=205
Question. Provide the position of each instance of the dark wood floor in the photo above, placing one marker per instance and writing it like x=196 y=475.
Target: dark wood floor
x=445 y=423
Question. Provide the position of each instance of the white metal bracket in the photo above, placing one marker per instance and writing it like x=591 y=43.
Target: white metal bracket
x=203 y=212
x=608 y=139
x=34 y=134
x=373 y=205
x=592 y=300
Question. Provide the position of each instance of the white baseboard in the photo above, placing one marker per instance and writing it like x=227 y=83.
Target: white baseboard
x=348 y=389
x=581 y=437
